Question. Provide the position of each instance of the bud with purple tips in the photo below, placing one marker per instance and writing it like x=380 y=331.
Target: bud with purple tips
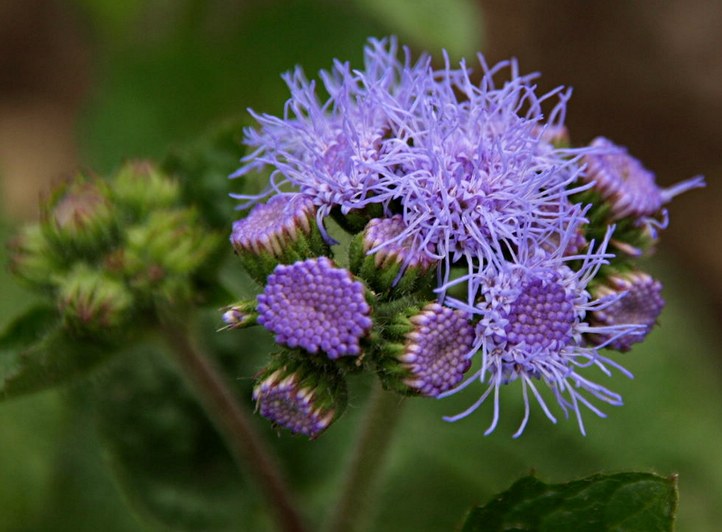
x=240 y=315
x=316 y=306
x=32 y=259
x=299 y=398
x=388 y=260
x=92 y=301
x=640 y=304
x=282 y=230
x=426 y=351
x=79 y=219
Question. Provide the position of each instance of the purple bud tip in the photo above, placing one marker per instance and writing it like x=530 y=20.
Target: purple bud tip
x=626 y=183
x=385 y=237
x=641 y=304
x=316 y=306
x=437 y=349
x=269 y=225
x=280 y=399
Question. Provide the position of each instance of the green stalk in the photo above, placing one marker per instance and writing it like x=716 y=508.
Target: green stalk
x=235 y=425
x=366 y=463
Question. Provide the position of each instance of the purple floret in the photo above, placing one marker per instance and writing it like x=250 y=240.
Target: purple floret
x=531 y=328
x=280 y=399
x=436 y=350
x=385 y=238
x=316 y=306
x=640 y=303
x=269 y=225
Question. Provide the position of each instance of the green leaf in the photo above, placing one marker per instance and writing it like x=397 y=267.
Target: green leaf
x=170 y=463
x=37 y=353
x=619 y=502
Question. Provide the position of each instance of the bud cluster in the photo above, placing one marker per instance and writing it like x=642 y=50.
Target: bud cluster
x=108 y=251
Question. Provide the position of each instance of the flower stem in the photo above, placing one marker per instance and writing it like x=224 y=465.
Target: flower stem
x=233 y=422
x=366 y=463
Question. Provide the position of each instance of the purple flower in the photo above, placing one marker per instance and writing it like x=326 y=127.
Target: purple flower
x=640 y=303
x=385 y=239
x=531 y=328
x=436 y=349
x=270 y=226
x=316 y=306
x=290 y=399
x=468 y=165
x=627 y=185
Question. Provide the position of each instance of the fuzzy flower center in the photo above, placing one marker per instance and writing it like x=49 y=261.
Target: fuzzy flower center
x=541 y=317
x=315 y=306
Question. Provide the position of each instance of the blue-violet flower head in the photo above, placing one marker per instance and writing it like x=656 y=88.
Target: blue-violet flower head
x=314 y=305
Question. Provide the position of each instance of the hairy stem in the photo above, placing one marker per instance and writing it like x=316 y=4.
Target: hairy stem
x=366 y=463
x=234 y=423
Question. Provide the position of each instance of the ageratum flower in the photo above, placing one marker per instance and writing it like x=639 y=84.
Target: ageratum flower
x=429 y=355
x=531 y=328
x=294 y=396
x=333 y=150
x=316 y=306
x=468 y=165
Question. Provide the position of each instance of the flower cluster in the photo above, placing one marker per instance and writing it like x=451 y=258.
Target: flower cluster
x=479 y=231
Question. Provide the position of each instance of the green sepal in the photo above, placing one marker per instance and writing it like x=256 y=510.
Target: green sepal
x=37 y=353
x=622 y=501
x=384 y=278
x=356 y=219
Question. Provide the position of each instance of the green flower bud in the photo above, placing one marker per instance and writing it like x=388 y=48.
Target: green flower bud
x=164 y=252
x=79 y=220
x=391 y=267
x=140 y=188
x=92 y=302
x=32 y=259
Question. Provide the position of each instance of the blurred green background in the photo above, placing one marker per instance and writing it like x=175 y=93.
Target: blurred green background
x=88 y=83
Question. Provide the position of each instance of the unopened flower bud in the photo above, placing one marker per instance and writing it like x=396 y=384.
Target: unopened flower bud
x=281 y=231
x=240 y=315
x=626 y=185
x=300 y=397
x=31 y=257
x=316 y=306
x=426 y=351
x=387 y=260
x=164 y=252
x=641 y=305
x=91 y=301
x=140 y=188
x=79 y=219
